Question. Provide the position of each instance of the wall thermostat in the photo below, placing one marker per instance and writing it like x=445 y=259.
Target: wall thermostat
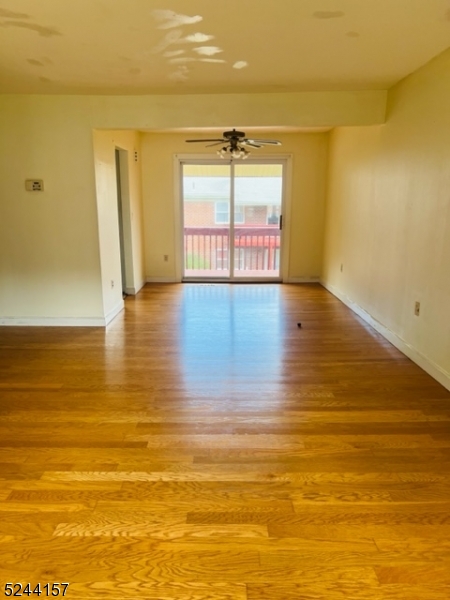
x=34 y=185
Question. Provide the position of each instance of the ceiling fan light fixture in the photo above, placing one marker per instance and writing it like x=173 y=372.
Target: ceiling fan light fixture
x=235 y=142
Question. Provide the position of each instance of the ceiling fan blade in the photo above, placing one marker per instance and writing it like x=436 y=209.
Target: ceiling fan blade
x=216 y=140
x=264 y=142
x=216 y=143
x=250 y=143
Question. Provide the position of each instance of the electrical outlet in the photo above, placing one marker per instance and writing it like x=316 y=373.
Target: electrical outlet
x=166 y=257
x=417 y=309
x=112 y=283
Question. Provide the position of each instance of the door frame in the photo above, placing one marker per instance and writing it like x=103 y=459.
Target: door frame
x=284 y=159
x=121 y=157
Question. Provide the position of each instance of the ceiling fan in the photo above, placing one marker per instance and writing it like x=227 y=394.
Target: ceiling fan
x=233 y=143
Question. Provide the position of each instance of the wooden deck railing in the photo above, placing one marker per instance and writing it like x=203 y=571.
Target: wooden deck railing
x=255 y=248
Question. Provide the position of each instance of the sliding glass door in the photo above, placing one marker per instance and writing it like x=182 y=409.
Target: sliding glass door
x=232 y=220
x=206 y=215
x=258 y=193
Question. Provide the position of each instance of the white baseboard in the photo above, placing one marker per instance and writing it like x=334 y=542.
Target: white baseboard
x=62 y=321
x=288 y=280
x=162 y=280
x=114 y=312
x=422 y=361
x=52 y=321
x=302 y=280
x=132 y=291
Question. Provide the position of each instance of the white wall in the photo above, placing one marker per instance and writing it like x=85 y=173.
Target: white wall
x=388 y=218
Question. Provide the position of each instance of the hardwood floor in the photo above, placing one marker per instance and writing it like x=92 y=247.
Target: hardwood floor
x=204 y=447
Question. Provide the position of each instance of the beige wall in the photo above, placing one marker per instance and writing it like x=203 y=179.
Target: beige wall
x=49 y=255
x=307 y=194
x=388 y=218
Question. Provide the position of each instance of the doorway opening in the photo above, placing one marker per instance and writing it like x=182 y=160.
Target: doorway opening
x=232 y=220
x=124 y=221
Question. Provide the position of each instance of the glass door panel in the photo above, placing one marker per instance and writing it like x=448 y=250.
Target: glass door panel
x=258 y=194
x=206 y=216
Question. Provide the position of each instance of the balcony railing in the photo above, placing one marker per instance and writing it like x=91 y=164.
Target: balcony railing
x=256 y=249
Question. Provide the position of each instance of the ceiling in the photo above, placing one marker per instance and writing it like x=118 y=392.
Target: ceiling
x=205 y=46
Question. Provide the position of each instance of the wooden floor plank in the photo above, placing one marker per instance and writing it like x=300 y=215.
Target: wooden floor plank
x=320 y=590
x=159 y=591
x=203 y=447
